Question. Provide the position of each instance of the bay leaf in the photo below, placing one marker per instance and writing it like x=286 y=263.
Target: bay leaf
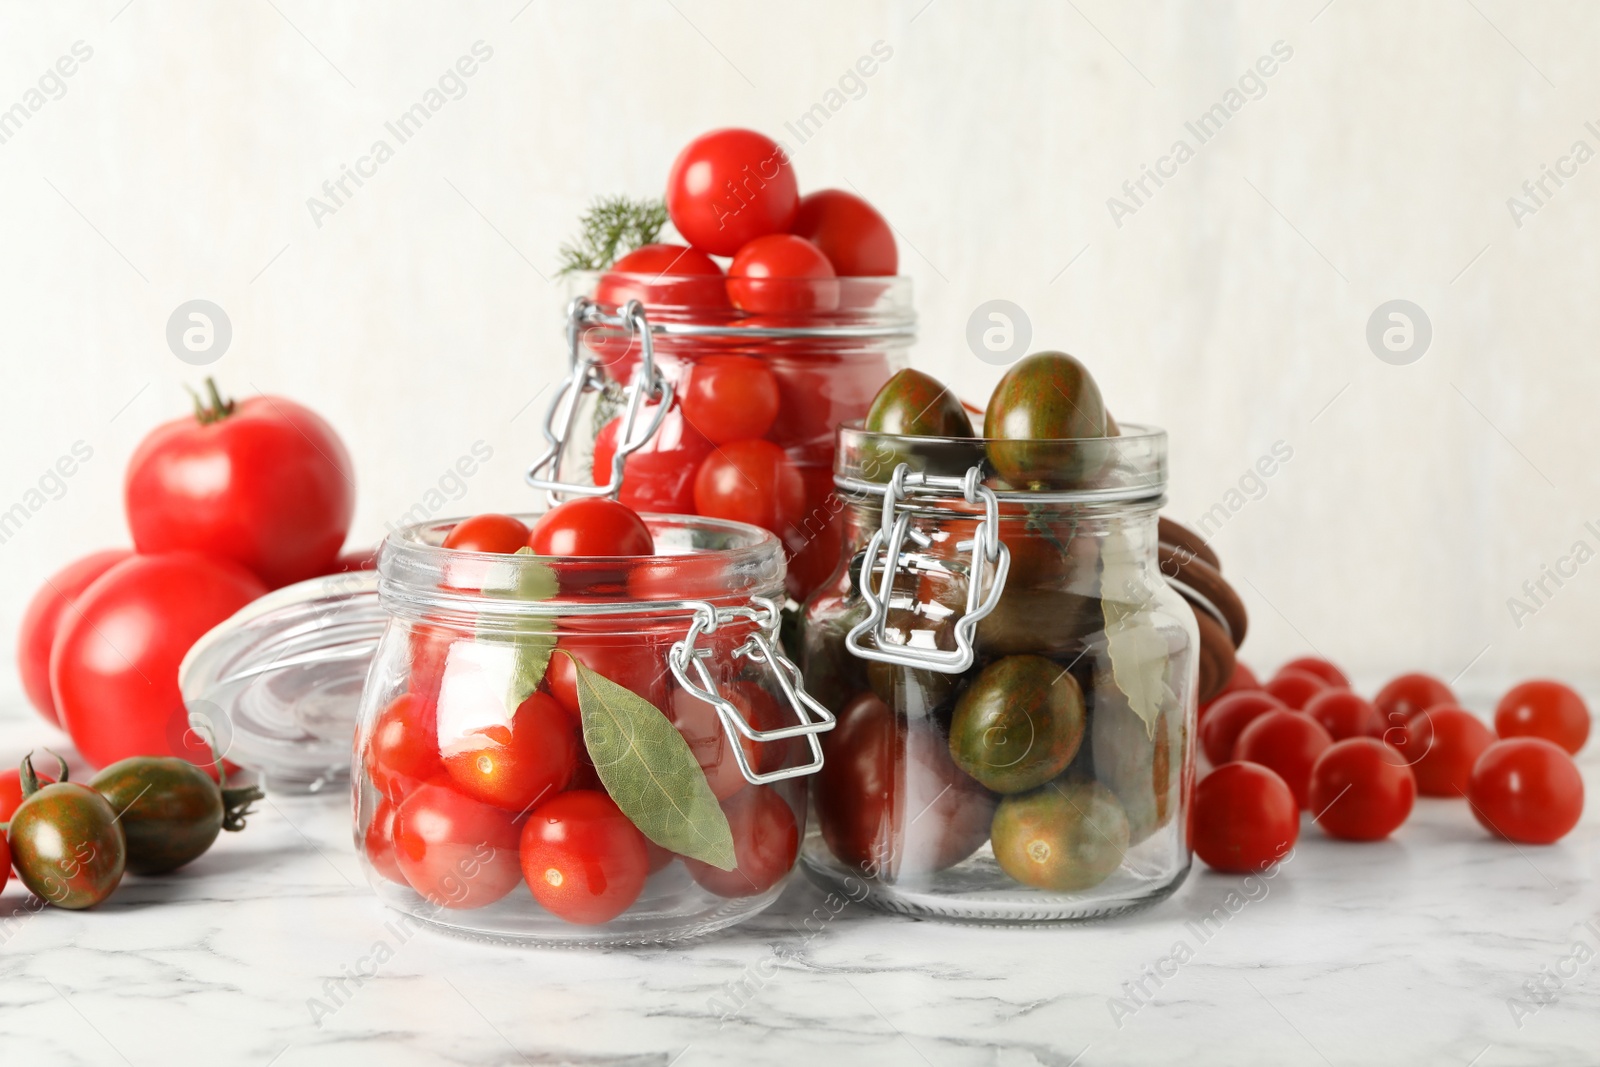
x=533 y=637
x=648 y=769
x=1136 y=648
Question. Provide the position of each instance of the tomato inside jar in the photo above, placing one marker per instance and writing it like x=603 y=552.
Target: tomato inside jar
x=583 y=749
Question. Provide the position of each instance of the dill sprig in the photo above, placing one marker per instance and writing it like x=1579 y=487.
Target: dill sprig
x=613 y=226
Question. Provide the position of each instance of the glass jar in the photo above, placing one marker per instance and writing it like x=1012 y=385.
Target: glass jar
x=604 y=751
x=1015 y=682
x=720 y=412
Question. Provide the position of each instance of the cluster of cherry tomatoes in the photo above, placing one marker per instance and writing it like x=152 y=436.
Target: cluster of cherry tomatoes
x=223 y=505
x=750 y=434
x=464 y=815
x=1305 y=741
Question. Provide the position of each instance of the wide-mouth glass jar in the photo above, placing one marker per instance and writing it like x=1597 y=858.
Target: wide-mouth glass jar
x=678 y=402
x=1015 y=682
x=583 y=750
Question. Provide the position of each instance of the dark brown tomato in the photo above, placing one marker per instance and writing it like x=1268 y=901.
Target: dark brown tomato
x=1039 y=621
x=1018 y=724
x=1045 y=399
x=170 y=810
x=67 y=846
x=911 y=404
x=1144 y=770
x=1066 y=837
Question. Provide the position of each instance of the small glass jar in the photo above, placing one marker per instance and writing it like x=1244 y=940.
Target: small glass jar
x=684 y=381
x=601 y=751
x=1015 y=682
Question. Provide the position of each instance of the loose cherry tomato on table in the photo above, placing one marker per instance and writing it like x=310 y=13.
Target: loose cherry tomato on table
x=403 y=750
x=730 y=186
x=582 y=859
x=1526 y=789
x=66 y=845
x=42 y=617
x=663 y=275
x=753 y=482
x=1295 y=687
x=1442 y=745
x=1321 y=668
x=1344 y=713
x=488 y=532
x=1242 y=678
x=1287 y=743
x=1229 y=715
x=1361 y=790
x=591 y=526
x=659 y=475
x=730 y=398
x=782 y=274
x=849 y=231
x=1406 y=695
x=512 y=765
x=114 y=667
x=1244 y=818
x=1544 y=708
x=455 y=851
x=263 y=481
x=766 y=840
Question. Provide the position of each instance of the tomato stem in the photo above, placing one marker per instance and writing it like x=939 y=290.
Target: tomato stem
x=236 y=805
x=213 y=408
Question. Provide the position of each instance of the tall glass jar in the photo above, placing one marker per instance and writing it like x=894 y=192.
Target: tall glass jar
x=1015 y=682
x=718 y=411
x=600 y=751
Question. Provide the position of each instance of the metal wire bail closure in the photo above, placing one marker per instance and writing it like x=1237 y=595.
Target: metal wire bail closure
x=761 y=647
x=586 y=375
x=890 y=538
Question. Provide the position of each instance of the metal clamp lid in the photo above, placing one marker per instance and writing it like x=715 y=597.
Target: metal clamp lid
x=586 y=375
x=760 y=647
x=985 y=546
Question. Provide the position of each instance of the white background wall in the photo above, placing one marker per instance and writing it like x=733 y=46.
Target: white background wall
x=1230 y=308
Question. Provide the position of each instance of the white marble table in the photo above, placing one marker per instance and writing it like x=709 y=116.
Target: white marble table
x=1405 y=952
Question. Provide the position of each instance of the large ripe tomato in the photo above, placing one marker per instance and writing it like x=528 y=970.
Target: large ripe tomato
x=766 y=840
x=455 y=851
x=1287 y=743
x=659 y=476
x=1344 y=713
x=582 y=859
x=855 y=238
x=114 y=668
x=781 y=274
x=403 y=748
x=1361 y=790
x=1442 y=745
x=488 y=532
x=37 y=632
x=1544 y=708
x=1295 y=687
x=753 y=482
x=515 y=765
x=262 y=481
x=664 y=276
x=591 y=526
x=730 y=186
x=1244 y=818
x=1526 y=789
x=1406 y=695
x=730 y=398
x=1228 y=716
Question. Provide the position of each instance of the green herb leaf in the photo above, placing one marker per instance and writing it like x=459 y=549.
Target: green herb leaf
x=534 y=637
x=648 y=769
x=613 y=225
x=1135 y=646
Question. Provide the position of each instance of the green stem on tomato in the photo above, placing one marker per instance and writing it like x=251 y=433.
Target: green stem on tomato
x=213 y=408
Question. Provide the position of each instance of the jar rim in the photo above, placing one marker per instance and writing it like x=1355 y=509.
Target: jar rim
x=878 y=306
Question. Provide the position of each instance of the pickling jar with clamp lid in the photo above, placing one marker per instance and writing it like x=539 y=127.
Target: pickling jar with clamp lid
x=1015 y=682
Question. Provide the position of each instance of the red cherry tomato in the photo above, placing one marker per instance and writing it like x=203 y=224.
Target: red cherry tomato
x=488 y=532
x=1442 y=744
x=582 y=859
x=636 y=663
x=1229 y=715
x=730 y=186
x=114 y=667
x=1405 y=696
x=1361 y=790
x=753 y=482
x=766 y=840
x=1287 y=743
x=781 y=274
x=1244 y=819
x=5 y=861
x=430 y=653
x=455 y=851
x=1321 y=668
x=730 y=398
x=1344 y=713
x=264 y=482
x=378 y=843
x=663 y=276
x=1242 y=679
x=815 y=560
x=817 y=391
x=591 y=526
x=11 y=793
x=39 y=622
x=659 y=476
x=1295 y=688
x=1543 y=708
x=711 y=744
x=855 y=238
x=512 y=765
x=1526 y=789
